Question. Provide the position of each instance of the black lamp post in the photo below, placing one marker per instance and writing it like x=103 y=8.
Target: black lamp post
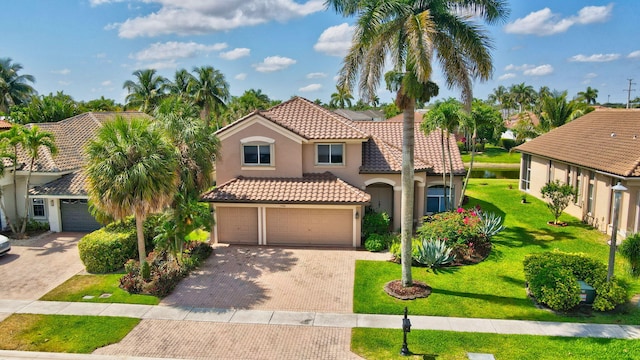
x=406 y=327
x=617 y=193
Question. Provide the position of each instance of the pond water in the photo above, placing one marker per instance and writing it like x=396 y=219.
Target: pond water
x=495 y=173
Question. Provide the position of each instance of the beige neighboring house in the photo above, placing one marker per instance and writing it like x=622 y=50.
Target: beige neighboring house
x=299 y=174
x=58 y=194
x=592 y=153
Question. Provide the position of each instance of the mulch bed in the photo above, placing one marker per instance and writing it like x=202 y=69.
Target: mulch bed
x=418 y=290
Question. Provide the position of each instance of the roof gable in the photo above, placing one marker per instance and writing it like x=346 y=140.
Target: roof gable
x=605 y=140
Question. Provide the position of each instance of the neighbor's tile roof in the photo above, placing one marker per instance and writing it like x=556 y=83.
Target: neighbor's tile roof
x=70 y=184
x=323 y=188
x=71 y=135
x=605 y=140
x=427 y=153
x=5 y=125
x=309 y=120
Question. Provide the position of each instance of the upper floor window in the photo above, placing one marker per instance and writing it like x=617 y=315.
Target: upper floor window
x=257 y=151
x=330 y=154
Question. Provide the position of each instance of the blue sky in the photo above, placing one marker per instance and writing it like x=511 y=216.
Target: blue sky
x=89 y=48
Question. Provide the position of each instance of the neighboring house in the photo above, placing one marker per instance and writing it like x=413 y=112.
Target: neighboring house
x=511 y=122
x=58 y=194
x=592 y=153
x=298 y=174
x=366 y=115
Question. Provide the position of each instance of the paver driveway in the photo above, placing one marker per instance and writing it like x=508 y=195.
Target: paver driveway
x=273 y=278
x=36 y=266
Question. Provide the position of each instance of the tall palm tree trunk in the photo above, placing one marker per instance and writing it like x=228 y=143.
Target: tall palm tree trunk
x=444 y=171
x=142 y=251
x=408 y=142
x=450 y=202
x=23 y=228
x=466 y=179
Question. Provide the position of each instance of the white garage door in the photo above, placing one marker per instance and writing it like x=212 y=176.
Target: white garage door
x=318 y=227
x=76 y=217
x=237 y=225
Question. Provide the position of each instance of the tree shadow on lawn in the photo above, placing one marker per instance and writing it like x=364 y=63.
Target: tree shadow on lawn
x=229 y=278
x=497 y=299
x=517 y=236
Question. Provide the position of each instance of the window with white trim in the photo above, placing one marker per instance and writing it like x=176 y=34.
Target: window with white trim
x=256 y=155
x=525 y=172
x=38 y=208
x=330 y=154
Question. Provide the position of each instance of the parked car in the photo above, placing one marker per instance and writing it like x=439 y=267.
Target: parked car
x=5 y=245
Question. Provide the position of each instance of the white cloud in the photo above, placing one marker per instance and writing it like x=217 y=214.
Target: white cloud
x=175 y=50
x=594 y=58
x=541 y=70
x=316 y=75
x=64 y=83
x=310 y=88
x=523 y=67
x=62 y=72
x=106 y=83
x=590 y=75
x=544 y=22
x=100 y=2
x=507 y=76
x=240 y=76
x=190 y=17
x=634 y=55
x=274 y=63
x=159 y=65
x=335 y=40
x=236 y=53
x=101 y=56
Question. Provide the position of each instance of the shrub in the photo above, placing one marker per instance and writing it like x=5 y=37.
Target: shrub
x=375 y=243
x=507 y=144
x=396 y=250
x=375 y=223
x=104 y=251
x=553 y=275
x=461 y=146
x=454 y=227
x=35 y=225
x=479 y=147
x=558 y=196
x=630 y=250
x=434 y=253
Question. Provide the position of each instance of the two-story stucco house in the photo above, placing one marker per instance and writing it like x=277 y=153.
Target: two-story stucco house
x=299 y=174
x=592 y=153
x=57 y=192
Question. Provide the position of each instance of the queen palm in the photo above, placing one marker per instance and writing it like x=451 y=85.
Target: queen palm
x=132 y=170
x=147 y=91
x=411 y=34
x=210 y=91
x=32 y=140
x=14 y=88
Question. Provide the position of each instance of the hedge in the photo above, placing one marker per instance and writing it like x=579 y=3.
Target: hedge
x=106 y=250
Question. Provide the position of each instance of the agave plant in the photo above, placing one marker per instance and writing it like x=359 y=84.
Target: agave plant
x=434 y=253
x=490 y=224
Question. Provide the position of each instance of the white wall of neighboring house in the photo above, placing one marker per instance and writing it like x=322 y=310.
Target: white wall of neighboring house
x=9 y=197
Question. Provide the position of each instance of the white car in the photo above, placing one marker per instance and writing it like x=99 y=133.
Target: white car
x=5 y=245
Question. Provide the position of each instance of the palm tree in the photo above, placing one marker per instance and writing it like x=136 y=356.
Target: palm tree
x=498 y=96
x=410 y=34
x=198 y=148
x=180 y=84
x=147 y=91
x=210 y=91
x=557 y=111
x=523 y=95
x=341 y=98
x=132 y=170
x=32 y=140
x=589 y=96
x=14 y=88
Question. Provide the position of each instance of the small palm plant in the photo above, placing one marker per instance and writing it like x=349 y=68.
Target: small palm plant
x=434 y=253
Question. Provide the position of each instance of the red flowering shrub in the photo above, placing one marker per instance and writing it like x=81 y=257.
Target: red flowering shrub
x=458 y=227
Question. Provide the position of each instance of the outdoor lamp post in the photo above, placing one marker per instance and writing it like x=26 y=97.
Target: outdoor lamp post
x=617 y=193
x=406 y=327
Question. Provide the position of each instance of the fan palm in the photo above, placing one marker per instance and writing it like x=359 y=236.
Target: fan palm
x=32 y=140
x=411 y=34
x=14 y=88
x=147 y=91
x=132 y=170
x=210 y=91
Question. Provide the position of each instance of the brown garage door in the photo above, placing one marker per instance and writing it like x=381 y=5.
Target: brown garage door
x=237 y=225
x=322 y=227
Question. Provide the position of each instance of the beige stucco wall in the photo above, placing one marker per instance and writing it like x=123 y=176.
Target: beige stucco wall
x=602 y=216
x=286 y=156
x=349 y=171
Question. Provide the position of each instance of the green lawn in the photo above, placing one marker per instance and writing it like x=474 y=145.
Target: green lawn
x=493 y=154
x=494 y=288
x=448 y=345
x=79 y=286
x=62 y=333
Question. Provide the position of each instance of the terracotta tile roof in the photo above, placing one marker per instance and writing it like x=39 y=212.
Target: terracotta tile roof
x=527 y=115
x=309 y=120
x=323 y=188
x=71 y=184
x=5 y=125
x=428 y=153
x=70 y=136
x=605 y=140
x=379 y=156
x=366 y=115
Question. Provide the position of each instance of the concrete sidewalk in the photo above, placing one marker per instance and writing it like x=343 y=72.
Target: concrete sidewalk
x=319 y=319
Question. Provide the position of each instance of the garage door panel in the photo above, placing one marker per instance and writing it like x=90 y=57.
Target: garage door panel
x=237 y=225
x=329 y=227
x=75 y=216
